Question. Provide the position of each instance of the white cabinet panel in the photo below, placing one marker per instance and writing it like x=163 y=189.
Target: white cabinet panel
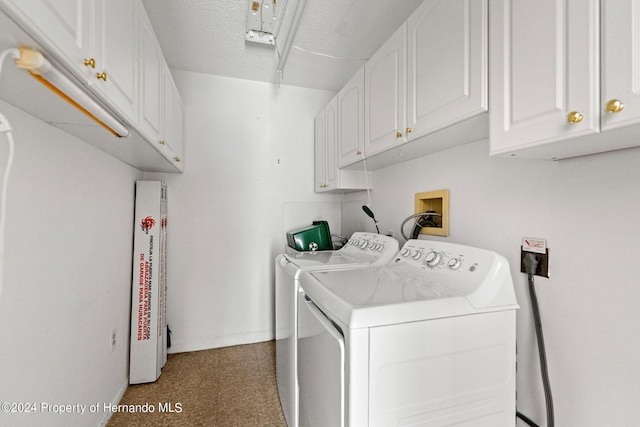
x=351 y=120
x=151 y=61
x=620 y=62
x=544 y=66
x=328 y=176
x=325 y=147
x=556 y=65
x=63 y=27
x=172 y=142
x=447 y=64
x=385 y=94
x=116 y=54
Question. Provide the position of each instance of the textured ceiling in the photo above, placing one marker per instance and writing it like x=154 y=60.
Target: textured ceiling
x=334 y=39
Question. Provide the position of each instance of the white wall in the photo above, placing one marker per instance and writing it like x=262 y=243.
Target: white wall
x=67 y=279
x=587 y=209
x=248 y=178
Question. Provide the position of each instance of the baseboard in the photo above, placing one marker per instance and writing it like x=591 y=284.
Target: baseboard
x=116 y=399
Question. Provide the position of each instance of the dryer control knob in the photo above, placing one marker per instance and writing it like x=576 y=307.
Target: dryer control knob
x=379 y=247
x=416 y=254
x=363 y=244
x=433 y=258
x=405 y=252
x=454 y=263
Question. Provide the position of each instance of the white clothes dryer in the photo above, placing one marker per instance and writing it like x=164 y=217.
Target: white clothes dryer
x=362 y=250
x=428 y=339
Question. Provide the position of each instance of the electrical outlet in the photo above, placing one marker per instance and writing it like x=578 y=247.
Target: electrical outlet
x=114 y=338
x=542 y=269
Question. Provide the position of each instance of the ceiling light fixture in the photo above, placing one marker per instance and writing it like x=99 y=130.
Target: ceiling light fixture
x=290 y=36
x=263 y=21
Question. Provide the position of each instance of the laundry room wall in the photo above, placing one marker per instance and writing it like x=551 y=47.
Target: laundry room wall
x=67 y=275
x=248 y=178
x=587 y=209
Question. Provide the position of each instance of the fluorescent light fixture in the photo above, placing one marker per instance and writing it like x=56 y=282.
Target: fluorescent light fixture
x=263 y=20
x=42 y=70
x=290 y=35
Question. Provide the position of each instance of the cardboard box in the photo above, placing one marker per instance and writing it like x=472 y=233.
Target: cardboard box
x=148 y=352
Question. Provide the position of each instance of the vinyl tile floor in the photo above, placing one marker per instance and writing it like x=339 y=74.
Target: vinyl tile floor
x=230 y=386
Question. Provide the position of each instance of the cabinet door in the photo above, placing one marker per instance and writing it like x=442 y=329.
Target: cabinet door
x=447 y=64
x=178 y=129
x=63 y=27
x=544 y=65
x=320 y=151
x=620 y=62
x=151 y=61
x=331 y=144
x=116 y=54
x=172 y=124
x=385 y=94
x=168 y=125
x=351 y=120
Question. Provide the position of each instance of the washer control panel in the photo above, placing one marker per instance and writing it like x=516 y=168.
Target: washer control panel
x=443 y=256
x=376 y=247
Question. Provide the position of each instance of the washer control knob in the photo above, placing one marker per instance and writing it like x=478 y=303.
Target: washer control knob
x=363 y=244
x=379 y=247
x=454 y=263
x=433 y=258
x=405 y=252
x=416 y=254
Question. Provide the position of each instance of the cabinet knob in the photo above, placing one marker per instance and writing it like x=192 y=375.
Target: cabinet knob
x=409 y=130
x=163 y=142
x=614 y=106
x=398 y=134
x=358 y=152
x=101 y=76
x=90 y=63
x=177 y=159
x=574 y=117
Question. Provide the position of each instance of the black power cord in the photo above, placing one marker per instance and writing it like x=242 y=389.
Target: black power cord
x=530 y=264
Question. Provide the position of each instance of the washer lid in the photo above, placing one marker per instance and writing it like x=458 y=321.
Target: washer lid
x=323 y=259
x=376 y=296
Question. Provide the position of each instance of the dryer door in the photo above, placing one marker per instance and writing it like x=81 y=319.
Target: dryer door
x=320 y=368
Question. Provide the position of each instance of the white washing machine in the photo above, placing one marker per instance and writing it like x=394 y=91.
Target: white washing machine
x=428 y=339
x=361 y=250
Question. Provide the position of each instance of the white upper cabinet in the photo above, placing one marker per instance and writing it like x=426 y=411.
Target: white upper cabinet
x=328 y=176
x=64 y=27
x=620 y=63
x=385 y=94
x=326 y=133
x=447 y=64
x=556 y=65
x=544 y=61
x=426 y=87
x=172 y=136
x=351 y=121
x=115 y=54
x=320 y=152
x=110 y=47
x=151 y=82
